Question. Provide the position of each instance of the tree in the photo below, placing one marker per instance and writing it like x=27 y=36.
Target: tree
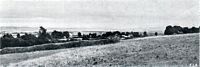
x=18 y=35
x=123 y=33
x=8 y=36
x=57 y=35
x=42 y=31
x=20 y=41
x=109 y=34
x=127 y=33
x=29 y=40
x=136 y=34
x=178 y=29
x=186 y=30
x=66 y=34
x=156 y=33
x=92 y=35
x=79 y=34
x=43 y=34
x=12 y=42
x=194 y=30
x=85 y=37
x=43 y=37
x=145 y=33
x=28 y=37
x=116 y=33
x=169 y=30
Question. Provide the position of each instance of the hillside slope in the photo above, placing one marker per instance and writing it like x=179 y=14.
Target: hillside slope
x=169 y=50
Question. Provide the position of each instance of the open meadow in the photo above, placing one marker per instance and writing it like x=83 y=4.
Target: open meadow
x=170 y=50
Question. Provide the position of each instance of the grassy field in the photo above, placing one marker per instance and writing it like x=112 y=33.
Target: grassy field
x=155 y=51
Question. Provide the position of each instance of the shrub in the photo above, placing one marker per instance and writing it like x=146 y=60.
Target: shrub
x=57 y=34
x=169 y=30
x=92 y=35
x=186 y=30
x=145 y=34
x=136 y=34
x=52 y=46
x=85 y=37
x=194 y=30
x=12 y=42
x=28 y=37
x=7 y=36
x=19 y=42
x=66 y=34
x=179 y=30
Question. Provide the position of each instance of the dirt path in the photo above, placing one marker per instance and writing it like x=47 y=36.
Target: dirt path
x=178 y=49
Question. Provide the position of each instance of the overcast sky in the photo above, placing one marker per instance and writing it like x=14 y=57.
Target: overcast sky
x=99 y=13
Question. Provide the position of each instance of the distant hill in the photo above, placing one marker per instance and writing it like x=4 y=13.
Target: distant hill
x=18 y=29
x=34 y=29
x=11 y=29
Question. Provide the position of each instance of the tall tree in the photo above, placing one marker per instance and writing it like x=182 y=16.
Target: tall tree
x=42 y=33
x=79 y=34
x=156 y=33
x=145 y=33
x=66 y=34
x=18 y=35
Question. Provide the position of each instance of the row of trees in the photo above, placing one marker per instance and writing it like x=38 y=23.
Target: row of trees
x=58 y=35
x=43 y=37
x=29 y=39
x=121 y=34
x=25 y=40
x=180 y=30
x=111 y=34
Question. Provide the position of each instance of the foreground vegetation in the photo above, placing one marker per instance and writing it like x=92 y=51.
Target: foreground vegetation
x=51 y=46
x=161 y=51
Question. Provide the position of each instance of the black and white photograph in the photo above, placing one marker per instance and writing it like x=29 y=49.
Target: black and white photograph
x=99 y=33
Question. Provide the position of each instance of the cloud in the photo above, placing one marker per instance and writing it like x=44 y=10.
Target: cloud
x=100 y=13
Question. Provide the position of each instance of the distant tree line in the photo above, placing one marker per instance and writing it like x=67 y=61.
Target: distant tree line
x=7 y=40
x=180 y=30
x=29 y=39
x=25 y=40
x=43 y=37
x=58 y=35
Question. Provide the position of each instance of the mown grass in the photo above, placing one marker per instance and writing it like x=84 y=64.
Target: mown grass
x=160 y=51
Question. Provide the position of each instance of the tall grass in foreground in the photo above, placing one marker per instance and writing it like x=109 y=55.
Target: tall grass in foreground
x=52 y=46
